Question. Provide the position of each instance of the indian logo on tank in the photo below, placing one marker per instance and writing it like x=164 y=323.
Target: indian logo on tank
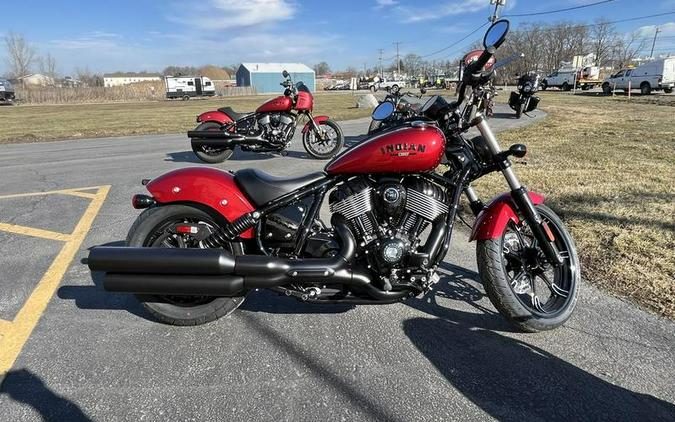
x=402 y=150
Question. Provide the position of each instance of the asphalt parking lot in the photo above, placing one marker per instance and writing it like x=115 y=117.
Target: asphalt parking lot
x=73 y=352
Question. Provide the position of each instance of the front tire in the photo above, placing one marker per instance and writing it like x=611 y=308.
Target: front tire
x=323 y=149
x=606 y=89
x=531 y=298
x=208 y=154
x=150 y=230
x=519 y=110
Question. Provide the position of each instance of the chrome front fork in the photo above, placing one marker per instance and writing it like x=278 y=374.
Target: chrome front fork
x=495 y=149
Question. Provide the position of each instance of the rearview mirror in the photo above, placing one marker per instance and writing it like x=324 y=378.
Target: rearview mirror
x=285 y=73
x=495 y=36
x=382 y=111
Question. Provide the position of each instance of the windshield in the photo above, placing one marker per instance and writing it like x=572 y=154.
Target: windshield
x=301 y=87
x=5 y=83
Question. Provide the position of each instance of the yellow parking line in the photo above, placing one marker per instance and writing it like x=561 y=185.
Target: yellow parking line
x=4 y=325
x=29 y=315
x=66 y=191
x=30 y=231
x=78 y=193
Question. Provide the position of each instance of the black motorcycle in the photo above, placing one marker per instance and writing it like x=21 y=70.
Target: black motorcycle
x=524 y=100
x=394 y=109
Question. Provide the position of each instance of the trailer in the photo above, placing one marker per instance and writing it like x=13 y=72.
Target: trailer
x=186 y=87
x=6 y=92
x=566 y=79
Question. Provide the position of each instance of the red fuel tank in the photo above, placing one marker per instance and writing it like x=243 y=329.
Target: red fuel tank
x=410 y=149
x=282 y=103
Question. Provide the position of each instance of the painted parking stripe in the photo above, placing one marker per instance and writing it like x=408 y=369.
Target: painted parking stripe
x=16 y=333
x=31 y=231
x=51 y=192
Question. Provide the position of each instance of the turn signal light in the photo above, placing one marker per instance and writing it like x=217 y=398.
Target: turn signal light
x=140 y=201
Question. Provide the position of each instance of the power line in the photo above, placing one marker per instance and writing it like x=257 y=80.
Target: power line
x=558 y=10
x=595 y=24
x=456 y=42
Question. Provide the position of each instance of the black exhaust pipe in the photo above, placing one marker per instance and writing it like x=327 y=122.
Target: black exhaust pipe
x=216 y=272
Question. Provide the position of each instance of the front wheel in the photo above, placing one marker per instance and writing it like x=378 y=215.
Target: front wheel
x=519 y=110
x=325 y=144
x=155 y=228
x=209 y=154
x=530 y=293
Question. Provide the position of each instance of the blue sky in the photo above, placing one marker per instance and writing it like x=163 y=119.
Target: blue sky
x=148 y=35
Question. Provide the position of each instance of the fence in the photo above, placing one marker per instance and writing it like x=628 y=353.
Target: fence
x=142 y=91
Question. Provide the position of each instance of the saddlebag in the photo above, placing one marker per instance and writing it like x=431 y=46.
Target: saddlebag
x=534 y=102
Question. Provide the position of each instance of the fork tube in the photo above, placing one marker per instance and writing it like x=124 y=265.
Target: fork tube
x=474 y=201
x=495 y=149
x=520 y=196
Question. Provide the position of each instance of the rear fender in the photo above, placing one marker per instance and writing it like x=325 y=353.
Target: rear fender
x=206 y=186
x=318 y=120
x=492 y=221
x=214 y=116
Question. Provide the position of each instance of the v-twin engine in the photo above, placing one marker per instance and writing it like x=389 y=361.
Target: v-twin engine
x=389 y=218
x=278 y=127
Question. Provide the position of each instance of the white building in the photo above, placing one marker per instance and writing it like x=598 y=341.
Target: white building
x=117 y=79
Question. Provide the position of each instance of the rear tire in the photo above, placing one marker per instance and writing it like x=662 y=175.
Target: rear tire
x=566 y=86
x=668 y=90
x=179 y=310
x=211 y=155
x=310 y=141
x=494 y=266
x=645 y=88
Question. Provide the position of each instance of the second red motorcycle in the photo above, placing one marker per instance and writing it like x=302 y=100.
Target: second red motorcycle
x=269 y=129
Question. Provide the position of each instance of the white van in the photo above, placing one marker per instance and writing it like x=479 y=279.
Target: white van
x=563 y=79
x=189 y=87
x=655 y=75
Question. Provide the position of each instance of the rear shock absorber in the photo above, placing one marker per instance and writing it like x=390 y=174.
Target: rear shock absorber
x=231 y=231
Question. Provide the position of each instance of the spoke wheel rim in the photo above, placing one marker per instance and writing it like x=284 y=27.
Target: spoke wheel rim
x=326 y=144
x=542 y=289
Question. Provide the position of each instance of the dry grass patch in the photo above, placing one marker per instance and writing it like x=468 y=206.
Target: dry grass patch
x=607 y=167
x=52 y=122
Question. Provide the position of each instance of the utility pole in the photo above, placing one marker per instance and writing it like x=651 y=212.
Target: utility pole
x=398 y=60
x=656 y=34
x=381 y=72
x=495 y=14
x=365 y=72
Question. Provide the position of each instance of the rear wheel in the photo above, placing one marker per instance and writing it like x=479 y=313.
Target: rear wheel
x=566 y=86
x=209 y=154
x=668 y=90
x=327 y=144
x=529 y=292
x=154 y=228
x=645 y=88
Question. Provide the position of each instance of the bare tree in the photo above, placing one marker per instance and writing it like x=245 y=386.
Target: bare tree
x=627 y=49
x=604 y=40
x=48 y=65
x=20 y=54
x=321 y=68
x=412 y=64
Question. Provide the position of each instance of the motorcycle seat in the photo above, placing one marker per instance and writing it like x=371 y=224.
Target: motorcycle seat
x=261 y=187
x=232 y=114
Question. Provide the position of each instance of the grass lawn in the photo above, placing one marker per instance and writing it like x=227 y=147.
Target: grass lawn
x=607 y=167
x=50 y=122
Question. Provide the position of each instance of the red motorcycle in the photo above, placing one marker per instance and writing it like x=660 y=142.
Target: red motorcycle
x=207 y=237
x=269 y=129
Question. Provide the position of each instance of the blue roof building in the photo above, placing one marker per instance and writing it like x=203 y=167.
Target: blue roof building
x=266 y=77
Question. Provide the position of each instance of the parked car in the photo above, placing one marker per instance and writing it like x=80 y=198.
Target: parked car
x=655 y=75
x=378 y=83
x=6 y=91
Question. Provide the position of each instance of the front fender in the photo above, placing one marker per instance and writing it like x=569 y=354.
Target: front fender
x=214 y=116
x=207 y=186
x=492 y=221
x=317 y=119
